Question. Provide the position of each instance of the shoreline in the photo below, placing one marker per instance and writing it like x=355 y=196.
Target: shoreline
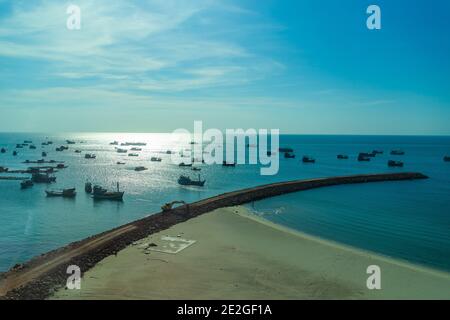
x=37 y=278
x=341 y=246
x=238 y=256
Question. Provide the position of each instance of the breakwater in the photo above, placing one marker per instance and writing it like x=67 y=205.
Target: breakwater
x=37 y=278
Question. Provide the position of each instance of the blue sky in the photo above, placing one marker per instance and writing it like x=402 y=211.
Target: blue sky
x=302 y=66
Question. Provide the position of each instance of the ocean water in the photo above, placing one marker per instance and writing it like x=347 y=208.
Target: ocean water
x=406 y=220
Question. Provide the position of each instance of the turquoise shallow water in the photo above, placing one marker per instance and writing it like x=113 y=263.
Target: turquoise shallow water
x=407 y=220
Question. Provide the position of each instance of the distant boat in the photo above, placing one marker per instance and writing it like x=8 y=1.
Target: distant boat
x=185 y=164
x=187 y=181
x=61 y=148
x=155 y=159
x=118 y=162
x=289 y=150
x=137 y=144
x=228 y=164
x=307 y=159
x=65 y=193
x=32 y=147
x=289 y=155
x=136 y=149
x=392 y=163
x=26 y=184
x=90 y=156
x=377 y=152
x=14 y=153
x=140 y=168
x=44 y=154
x=447 y=158
x=367 y=154
x=77 y=151
x=119 y=150
x=362 y=157
x=397 y=152
x=133 y=155
x=3 y=150
x=100 y=193
x=342 y=156
x=169 y=152
x=114 y=143
x=61 y=166
x=27 y=141
x=42 y=178
x=70 y=142
x=88 y=187
x=19 y=146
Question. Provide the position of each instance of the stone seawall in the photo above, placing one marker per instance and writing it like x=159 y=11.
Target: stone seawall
x=37 y=278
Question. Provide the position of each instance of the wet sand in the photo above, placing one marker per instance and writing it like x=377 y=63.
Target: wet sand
x=239 y=256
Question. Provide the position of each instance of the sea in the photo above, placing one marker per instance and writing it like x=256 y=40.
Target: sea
x=407 y=220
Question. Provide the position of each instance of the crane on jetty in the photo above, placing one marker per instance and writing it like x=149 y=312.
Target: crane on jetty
x=168 y=206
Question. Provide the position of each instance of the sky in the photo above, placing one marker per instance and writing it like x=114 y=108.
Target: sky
x=301 y=66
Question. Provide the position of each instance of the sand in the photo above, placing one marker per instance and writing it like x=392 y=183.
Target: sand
x=239 y=256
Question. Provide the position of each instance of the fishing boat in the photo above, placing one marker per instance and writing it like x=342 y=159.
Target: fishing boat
x=367 y=154
x=120 y=163
x=70 y=142
x=26 y=184
x=19 y=146
x=77 y=151
x=187 y=181
x=114 y=143
x=88 y=187
x=361 y=157
x=100 y=193
x=61 y=166
x=288 y=150
x=155 y=159
x=136 y=149
x=65 y=193
x=27 y=141
x=3 y=150
x=39 y=177
x=140 y=168
x=447 y=158
x=32 y=147
x=119 y=150
x=377 y=152
x=3 y=169
x=289 y=155
x=133 y=155
x=14 y=153
x=397 y=152
x=137 y=144
x=392 y=163
x=228 y=164
x=44 y=154
x=342 y=156
x=307 y=159
x=185 y=164
x=90 y=156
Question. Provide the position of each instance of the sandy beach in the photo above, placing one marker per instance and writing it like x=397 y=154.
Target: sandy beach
x=239 y=256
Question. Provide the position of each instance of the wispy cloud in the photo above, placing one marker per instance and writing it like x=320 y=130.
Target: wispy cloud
x=153 y=45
